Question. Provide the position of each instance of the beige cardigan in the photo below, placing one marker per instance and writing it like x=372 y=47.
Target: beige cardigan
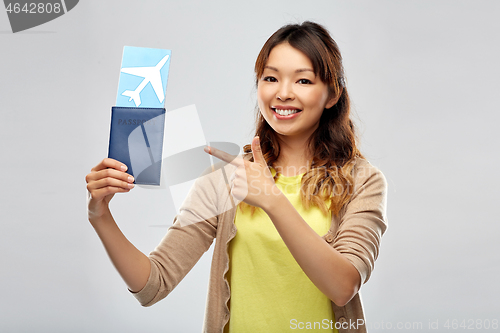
x=208 y=212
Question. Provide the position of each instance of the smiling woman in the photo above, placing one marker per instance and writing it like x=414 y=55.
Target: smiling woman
x=299 y=230
x=317 y=80
x=289 y=89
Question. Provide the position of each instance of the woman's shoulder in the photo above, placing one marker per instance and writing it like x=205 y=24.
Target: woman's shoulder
x=363 y=169
x=367 y=176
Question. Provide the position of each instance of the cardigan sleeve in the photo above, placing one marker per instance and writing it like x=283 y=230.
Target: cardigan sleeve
x=364 y=220
x=190 y=236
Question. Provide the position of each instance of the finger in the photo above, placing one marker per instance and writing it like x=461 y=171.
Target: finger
x=108 y=182
x=232 y=178
x=238 y=193
x=103 y=192
x=111 y=173
x=110 y=163
x=222 y=155
x=258 y=157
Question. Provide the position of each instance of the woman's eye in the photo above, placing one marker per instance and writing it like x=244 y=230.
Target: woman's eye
x=304 y=81
x=270 y=79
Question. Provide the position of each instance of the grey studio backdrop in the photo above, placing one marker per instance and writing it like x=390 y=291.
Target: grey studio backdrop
x=424 y=80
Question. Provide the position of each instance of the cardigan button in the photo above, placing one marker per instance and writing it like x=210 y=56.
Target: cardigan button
x=342 y=320
x=329 y=238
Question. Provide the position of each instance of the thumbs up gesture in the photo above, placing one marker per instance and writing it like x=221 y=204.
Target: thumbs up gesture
x=252 y=182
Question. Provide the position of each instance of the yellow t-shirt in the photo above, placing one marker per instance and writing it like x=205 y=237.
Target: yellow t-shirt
x=269 y=290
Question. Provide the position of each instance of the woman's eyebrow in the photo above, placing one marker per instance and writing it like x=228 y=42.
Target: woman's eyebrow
x=271 y=68
x=300 y=70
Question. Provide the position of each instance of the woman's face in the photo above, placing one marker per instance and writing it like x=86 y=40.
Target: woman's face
x=291 y=97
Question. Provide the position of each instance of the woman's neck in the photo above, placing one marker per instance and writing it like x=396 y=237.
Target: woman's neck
x=295 y=157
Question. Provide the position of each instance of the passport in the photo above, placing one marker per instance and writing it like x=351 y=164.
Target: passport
x=136 y=140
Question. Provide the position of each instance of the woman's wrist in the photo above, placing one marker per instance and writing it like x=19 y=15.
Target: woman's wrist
x=101 y=217
x=274 y=201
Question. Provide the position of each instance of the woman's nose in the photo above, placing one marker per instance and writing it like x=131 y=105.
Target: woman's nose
x=284 y=93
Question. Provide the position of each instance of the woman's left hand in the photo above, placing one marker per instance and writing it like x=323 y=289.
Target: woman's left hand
x=252 y=182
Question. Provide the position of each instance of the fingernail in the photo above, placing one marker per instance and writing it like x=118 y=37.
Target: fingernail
x=124 y=168
x=130 y=185
x=130 y=179
x=207 y=150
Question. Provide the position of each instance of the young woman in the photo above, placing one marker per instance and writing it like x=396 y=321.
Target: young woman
x=298 y=231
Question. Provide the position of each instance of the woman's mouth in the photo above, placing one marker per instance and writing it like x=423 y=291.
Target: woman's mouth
x=285 y=112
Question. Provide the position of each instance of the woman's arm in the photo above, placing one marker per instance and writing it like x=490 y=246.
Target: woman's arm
x=337 y=271
x=328 y=269
x=106 y=179
x=340 y=272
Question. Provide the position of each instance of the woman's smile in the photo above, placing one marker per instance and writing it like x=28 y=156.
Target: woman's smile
x=291 y=97
x=285 y=112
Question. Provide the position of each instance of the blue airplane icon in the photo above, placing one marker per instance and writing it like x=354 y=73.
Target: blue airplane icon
x=150 y=75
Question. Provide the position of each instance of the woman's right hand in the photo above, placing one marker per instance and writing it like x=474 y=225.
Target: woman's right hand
x=105 y=179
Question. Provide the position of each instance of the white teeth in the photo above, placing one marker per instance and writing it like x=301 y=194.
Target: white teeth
x=285 y=112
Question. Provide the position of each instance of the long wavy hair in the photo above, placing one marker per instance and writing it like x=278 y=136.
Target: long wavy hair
x=329 y=178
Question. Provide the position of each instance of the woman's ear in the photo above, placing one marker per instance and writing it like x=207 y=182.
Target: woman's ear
x=333 y=99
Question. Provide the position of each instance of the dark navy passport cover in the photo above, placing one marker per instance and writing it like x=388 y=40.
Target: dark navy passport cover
x=136 y=139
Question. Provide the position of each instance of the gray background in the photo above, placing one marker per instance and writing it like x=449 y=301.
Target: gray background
x=424 y=80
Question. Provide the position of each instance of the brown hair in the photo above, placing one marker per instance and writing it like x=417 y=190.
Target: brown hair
x=333 y=144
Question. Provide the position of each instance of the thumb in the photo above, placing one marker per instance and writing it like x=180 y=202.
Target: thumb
x=257 y=151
